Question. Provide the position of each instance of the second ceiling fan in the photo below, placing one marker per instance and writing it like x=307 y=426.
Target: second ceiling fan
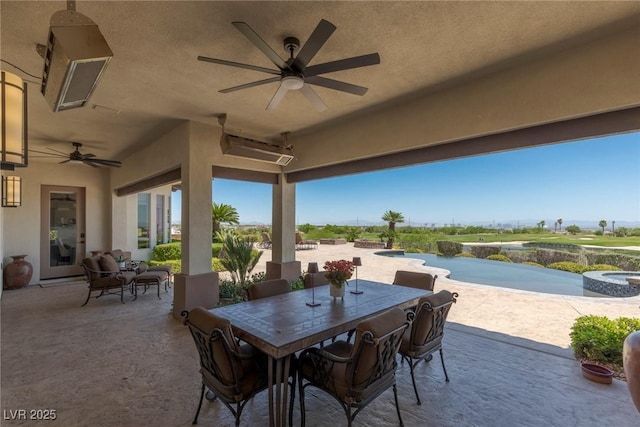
x=294 y=74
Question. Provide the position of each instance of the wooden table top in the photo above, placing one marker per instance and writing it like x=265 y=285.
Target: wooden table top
x=283 y=324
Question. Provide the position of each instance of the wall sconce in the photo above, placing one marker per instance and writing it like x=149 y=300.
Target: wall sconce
x=13 y=117
x=11 y=191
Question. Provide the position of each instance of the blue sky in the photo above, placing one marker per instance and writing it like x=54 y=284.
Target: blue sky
x=585 y=180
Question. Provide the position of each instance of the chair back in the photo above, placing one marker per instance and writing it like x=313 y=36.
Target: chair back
x=268 y=288
x=299 y=240
x=265 y=237
x=415 y=279
x=216 y=346
x=311 y=280
x=377 y=342
x=91 y=266
x=430 y=316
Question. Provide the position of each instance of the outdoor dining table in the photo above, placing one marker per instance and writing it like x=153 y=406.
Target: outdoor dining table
x=284 y=324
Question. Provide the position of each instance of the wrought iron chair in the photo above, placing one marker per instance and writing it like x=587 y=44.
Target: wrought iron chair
x=415 y=279
x=311 y=280
x=103 y=275
x=268 y=288
x=356 y=374
x=427 y=329
x=231 y=372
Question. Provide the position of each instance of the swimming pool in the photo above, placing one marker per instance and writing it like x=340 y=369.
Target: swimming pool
x=506 y=274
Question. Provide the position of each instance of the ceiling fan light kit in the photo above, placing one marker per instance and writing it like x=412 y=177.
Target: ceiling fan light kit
x=294 y=74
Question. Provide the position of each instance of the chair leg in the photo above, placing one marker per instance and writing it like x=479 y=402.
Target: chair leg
x=443 y=368
x=292 y=399
x=301 y=387
x=395 y=396
x=195 y=419
x=413 y=379
x=88 y=296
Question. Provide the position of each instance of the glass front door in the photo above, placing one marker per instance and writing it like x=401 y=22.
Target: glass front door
x=62 y=245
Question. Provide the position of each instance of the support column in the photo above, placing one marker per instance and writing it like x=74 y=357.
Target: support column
x=196 y=285
x=283 y=262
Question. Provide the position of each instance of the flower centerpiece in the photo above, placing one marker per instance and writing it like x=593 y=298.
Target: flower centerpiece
x=338 y=272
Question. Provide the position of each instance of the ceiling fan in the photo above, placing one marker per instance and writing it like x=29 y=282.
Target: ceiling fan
x=294 y=74
x=77 y=157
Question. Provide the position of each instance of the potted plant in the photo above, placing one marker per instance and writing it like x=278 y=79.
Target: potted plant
x=338 y=272
x=122 y=262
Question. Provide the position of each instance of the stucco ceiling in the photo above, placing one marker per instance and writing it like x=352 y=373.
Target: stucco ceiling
x=154 y=79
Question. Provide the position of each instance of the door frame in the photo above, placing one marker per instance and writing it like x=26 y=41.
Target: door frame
x=47 y=271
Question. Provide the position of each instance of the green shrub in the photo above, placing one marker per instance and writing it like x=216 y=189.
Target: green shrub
x=485 y=251
x=622 y=261
x=499 y=257
x=297 y=285
x=173 y=250
x=465 y=255
x=601 y=267
x=167 y=251
x=174 y=263
x=600 y=339
x=448 y=248
x=533 y=264
x=571 y=267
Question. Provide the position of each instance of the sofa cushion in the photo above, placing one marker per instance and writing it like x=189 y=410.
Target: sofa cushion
x=107 y=263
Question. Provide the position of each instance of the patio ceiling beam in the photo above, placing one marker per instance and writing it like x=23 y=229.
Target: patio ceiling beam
x=597 y=125
x=168 y=177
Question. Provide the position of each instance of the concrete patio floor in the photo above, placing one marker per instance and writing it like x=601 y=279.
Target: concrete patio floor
x=110 y=364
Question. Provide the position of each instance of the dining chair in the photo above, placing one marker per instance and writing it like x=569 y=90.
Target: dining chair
x=268 y=288
x=231 y=372
x=415 y=279
x=427 y=330
x=311 y=280
x=356 y=374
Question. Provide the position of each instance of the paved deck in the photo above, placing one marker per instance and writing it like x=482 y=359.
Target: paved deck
x=112 y=364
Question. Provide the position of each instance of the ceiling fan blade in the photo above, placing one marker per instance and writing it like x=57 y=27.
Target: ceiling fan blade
x=238 y=65
x=343 y=64
x=252 y=84
x=313 y=97
x=58 y=151
x=90 y=163
x=64 y=161
x=316 y=40
x=254 y=38
x=336 y=85
x=277 y=97
x=47 y=154
x=88 y=155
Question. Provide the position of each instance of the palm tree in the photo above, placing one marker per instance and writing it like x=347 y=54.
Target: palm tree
x=602 y=224
x=541 y=225
x=223 y=213
x=392 y=218
x=239 y=257
x=560 y=223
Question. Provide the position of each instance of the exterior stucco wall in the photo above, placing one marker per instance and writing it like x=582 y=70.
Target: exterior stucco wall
x=538 y=92
x=21 y=225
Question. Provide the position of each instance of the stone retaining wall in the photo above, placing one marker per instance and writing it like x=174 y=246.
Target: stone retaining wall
x=333 y=241
x=606 y=282
x=368 y=244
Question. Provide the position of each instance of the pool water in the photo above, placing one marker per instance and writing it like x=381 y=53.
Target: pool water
x=507 y=275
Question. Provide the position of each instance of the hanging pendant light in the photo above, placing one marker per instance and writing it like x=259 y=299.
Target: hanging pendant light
x=13 y=117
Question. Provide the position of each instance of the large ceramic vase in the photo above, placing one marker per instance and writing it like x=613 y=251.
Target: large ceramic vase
x=17 y=274
x=336 y=291
x=631 y=361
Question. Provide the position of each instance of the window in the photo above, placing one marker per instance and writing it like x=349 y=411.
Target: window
x=144 y=220
x=159 y=219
